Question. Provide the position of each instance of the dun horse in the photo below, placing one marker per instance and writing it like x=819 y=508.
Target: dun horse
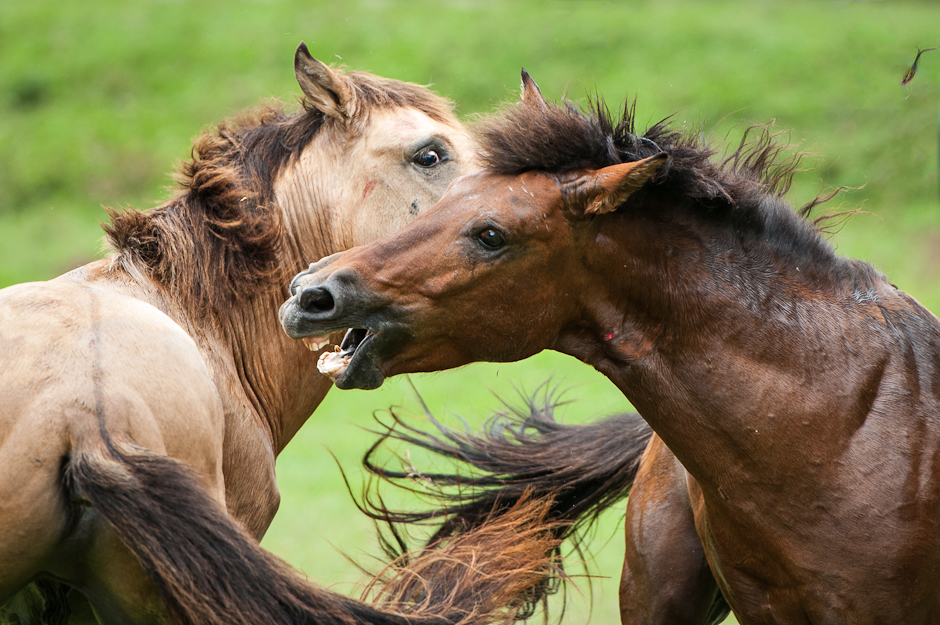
x=148 y=393
x=799 y=390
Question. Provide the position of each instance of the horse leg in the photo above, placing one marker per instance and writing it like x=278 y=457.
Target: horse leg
x=119 y=599
x=35 y=517
x=117 y=587
x=666 y=578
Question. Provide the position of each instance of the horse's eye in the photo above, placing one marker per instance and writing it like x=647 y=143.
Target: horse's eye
x=490 y=239
x=427 y=158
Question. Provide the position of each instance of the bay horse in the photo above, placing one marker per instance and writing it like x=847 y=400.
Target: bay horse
x=147 y=395
x=798 y=391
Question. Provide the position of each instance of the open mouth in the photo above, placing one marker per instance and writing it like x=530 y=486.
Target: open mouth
x=336 y=364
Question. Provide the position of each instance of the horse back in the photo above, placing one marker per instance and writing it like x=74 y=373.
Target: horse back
x=85 y=357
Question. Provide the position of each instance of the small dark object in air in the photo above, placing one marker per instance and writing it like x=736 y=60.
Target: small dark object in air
x=909 y=74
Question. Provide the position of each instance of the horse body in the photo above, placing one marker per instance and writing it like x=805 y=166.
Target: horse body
x=94 y=352
x=799 y=390
x=168 y=353
x=251 y=427
x=806 y=467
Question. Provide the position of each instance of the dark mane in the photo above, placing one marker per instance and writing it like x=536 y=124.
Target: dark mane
x=743 y=190
x=220 y=233
x=561 y=138
x=220 y=237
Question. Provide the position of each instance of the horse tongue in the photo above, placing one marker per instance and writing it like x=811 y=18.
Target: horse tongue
x=333 y=364
x=316 y=343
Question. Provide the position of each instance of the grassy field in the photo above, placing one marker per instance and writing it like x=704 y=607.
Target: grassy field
x=99 y=99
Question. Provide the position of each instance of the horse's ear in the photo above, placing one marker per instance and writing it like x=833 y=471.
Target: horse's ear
x=325 y=88
x=603 y=190
x=531 y=95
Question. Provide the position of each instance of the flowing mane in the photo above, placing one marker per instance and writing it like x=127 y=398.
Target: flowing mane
x=221 y=235
x=562 y=138
x=744 y=190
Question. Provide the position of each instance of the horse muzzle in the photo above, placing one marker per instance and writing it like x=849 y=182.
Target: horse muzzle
x=325 y=301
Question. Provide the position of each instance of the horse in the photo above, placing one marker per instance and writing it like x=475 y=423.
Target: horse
x=147 y=394
x=795 y=393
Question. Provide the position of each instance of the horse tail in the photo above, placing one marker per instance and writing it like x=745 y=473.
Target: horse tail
x=496 y=572
x=208 y=570
x=523 y=454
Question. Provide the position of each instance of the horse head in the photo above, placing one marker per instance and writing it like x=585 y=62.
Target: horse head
x=386 y=152
x=500 y=257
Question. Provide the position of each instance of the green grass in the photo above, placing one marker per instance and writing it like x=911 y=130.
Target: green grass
x=317 y=520
x=99 y=99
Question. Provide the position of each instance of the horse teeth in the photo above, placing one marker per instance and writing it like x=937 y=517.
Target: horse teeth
x=316 y=343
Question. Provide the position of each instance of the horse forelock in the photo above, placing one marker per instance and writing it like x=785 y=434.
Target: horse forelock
x=374 y=93
x=561 y=138
x=221 y=236
x=744 y=189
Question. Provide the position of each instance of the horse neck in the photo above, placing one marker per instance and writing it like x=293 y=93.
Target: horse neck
x=280 y=374
x=722 y=339
x=307 y=191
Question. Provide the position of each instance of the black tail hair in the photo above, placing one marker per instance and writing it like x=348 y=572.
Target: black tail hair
x=209 y=571
x=206 y=568
x=522 y=454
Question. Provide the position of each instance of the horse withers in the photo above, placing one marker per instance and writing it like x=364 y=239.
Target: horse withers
x=798 y=391
x=147 y=395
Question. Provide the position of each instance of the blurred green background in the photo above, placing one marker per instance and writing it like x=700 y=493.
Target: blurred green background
x=99 y=99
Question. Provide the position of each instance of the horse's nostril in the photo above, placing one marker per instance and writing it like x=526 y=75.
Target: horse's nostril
x=316 y=299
